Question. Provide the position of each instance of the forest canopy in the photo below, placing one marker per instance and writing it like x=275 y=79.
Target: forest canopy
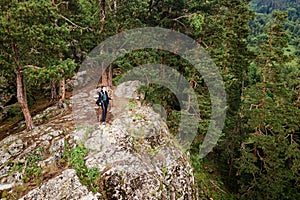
x=255 y=45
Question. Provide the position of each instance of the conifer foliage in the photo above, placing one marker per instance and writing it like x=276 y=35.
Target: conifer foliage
x=33 y=38
x=254 y=45
x=269 y=162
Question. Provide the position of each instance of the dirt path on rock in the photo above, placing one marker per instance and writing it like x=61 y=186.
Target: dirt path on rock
x=116 y=107
x=10 y=127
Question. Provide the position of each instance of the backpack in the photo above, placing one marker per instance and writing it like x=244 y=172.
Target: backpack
x=104 y=96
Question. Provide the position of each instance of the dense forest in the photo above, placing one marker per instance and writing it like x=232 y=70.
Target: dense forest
x=255 y=45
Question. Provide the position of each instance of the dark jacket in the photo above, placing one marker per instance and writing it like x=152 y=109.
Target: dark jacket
x=100 y=97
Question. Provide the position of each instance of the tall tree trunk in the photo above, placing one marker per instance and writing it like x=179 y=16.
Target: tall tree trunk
x=110 y=76
x=62 y=89
x=53 y=90
x=102 y=10
x=162 y=69
x=104 y=76
x=102 y=14
x=178 y=82
x=263 y=92
x=192 y=86
x=115 y=6
x=21 y=95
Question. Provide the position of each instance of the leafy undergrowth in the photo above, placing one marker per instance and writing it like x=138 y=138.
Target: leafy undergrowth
x=87 y=177
x=34 y=174
x=210 y=185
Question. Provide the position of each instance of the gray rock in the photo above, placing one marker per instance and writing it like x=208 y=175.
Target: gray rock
x=139 y=159
x=57 y=149
x=128 y=89
x=51 y=161
x=64 y=186
x=45 y=137
x=16 y=147
x=55 y=133
x=137 y=156
x=6 y=186
x=4 y=156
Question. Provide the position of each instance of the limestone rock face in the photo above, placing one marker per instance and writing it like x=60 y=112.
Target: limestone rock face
x=128 y=89
x=138 y=158
x=64 y=186
x=46 y=142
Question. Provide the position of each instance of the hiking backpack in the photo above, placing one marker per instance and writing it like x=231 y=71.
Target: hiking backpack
x=104 y=96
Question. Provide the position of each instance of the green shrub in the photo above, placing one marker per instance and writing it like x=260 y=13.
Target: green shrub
x=32 y=169
x=88 y=177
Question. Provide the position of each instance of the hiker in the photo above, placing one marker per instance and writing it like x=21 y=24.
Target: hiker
x=103 y=101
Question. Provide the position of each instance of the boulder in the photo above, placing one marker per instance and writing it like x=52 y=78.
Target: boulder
x=139 y=159
x=128 y=89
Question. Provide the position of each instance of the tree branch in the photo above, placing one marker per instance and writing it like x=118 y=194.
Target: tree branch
x=183 y=16
x=182 y=24
x=77 y=26
x=31 y=66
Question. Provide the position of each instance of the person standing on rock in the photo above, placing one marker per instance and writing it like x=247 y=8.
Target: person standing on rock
x=103 y=99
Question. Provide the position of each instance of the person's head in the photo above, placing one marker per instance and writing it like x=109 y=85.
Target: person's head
x=100 y=87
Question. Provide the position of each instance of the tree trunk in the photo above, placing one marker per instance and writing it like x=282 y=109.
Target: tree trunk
x=102 y=14
x=102 y=10
x=178 y=82
x=21 y=95
x=53 y=90
x=63 y=89
x=104 y=76
x=115 y=6
x=263 y=92
x=110 y=76
x=162 y=69
x=192 y=86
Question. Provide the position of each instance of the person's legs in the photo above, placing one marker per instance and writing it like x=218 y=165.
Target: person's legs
x=104 y=111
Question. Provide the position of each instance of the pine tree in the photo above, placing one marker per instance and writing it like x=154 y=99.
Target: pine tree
x=269 y=162
x=32 y=36
x=224 y=33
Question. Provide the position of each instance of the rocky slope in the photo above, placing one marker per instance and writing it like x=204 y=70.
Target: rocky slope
x=136 y=156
